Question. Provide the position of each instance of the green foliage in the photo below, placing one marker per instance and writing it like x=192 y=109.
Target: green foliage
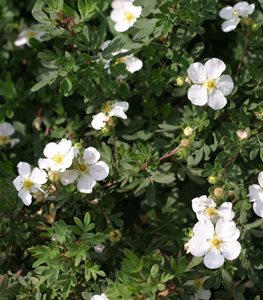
x=142 y=212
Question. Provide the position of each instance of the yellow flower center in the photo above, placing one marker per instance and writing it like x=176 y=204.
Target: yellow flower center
x=211 y=211
x=4 y=139
x=27 y=184
x=58 y=158
x=31 y=34
x=129 y=17
x=83 y=167
x=121 y=60
x=210 y=84
x=198 y=283
x=215 y=242
x=107 y=107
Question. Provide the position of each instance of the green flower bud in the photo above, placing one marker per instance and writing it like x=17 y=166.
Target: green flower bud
x=212 y=179
x=180 y=80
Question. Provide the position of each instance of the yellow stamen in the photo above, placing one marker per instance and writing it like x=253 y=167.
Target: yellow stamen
x=58 y=158
x=198 y=283
x=215 y=242
x=31 y=34
x=27 y=184
x=83 y=167
x=129 y=17
x=211 y=211
x=107 y=107
x=121 y=60
x=4 y=139
x=210 y=84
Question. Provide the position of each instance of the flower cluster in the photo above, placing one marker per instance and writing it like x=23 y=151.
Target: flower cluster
x=215 y=234
x=6 y=130
x=63 y=163
x=124 y=14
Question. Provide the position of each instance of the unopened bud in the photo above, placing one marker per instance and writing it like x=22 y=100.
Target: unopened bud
x=188 y=131
x=54 y=176
x=243 y=134
x=99 y=248
x=182 y=153
x=255 y=27
x=180 y=80
x=185 y=143
x=212 y=179
x=219 y=193
x=105 y=131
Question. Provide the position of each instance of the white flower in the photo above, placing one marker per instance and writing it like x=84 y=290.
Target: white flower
x=208 y=86
x=124 y=15
x=87 y=170
x=119 y=3
x=132 y=63
x=233 y=15
x=29 y=181
x=6 y=130
x=99 y=297
x=201 y=294
x=59 y=157
x=25 y=36
x=205 y=208
x=116 y=109
x=215 y=243
x=256 y=195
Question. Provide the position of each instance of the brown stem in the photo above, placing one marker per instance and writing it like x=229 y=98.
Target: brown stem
x=170 y=154
x=245 y=48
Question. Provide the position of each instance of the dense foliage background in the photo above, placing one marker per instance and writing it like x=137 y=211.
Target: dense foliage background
x=142 y=212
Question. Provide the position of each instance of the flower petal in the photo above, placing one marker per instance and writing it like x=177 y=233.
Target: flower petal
x=230 y=25
x=225 y=84
x=6 y=129
x=44 y=163
x=198 y=246
x=24 y=169
x=68 y=177
x=25 y=196
x=99 y=121
x=260 y=179
x=197 y=73
x=133 y=64
x=227 y=230
x=216 y=100
x=119 y=109
x=244 y=9
x=203 y=294
x=226 y=13
x=99 y=171
x=198 y=94
x=214 y=259
x=50 y=150
x=255 y=193
x=231 y=250
x=64 y=146
x=122 y=26
x=258 y=208
x=18 y=182
x=85 y=184
x=225 y=211
x=38 y=176
x=214 y=68
x=91 y=156
x=116 y=15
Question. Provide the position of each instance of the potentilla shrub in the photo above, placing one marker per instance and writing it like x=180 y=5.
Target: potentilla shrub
x=131 y=149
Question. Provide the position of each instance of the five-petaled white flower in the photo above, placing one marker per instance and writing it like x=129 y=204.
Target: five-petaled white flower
x=215 y=243
x=109 y=110
x=205 y=208
x=233 y=15
x=208 y=85
x=124 y=14
x=132 y=63
x=99 y=297
x=256 y=195
x=25 y=36
x=29 y=181
x=6 y=130
x=87 y=170
x=59 y=157
x=201 y=293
